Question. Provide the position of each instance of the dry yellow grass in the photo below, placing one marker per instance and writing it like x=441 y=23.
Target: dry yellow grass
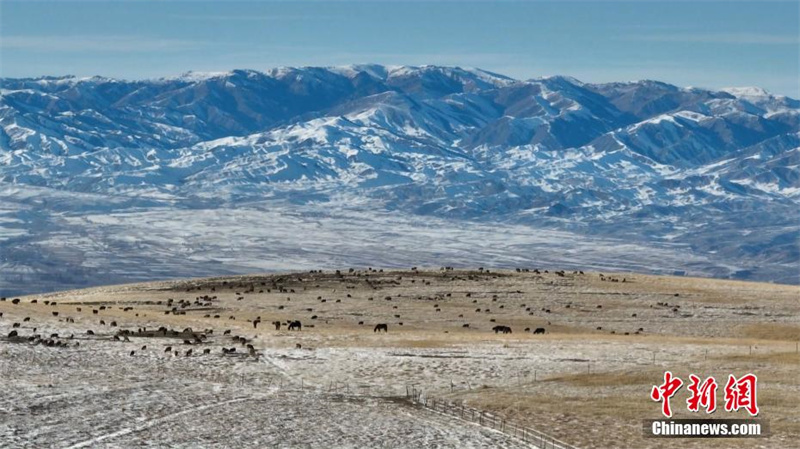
x=772 y=331
x=692 y=325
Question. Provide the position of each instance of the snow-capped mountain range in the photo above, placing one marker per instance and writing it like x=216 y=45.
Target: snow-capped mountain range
x=716 y=172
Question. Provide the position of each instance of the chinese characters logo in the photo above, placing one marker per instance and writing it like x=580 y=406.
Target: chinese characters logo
x=740 y=393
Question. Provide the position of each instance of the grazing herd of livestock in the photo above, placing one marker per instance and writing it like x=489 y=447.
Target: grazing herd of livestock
x=190 y=337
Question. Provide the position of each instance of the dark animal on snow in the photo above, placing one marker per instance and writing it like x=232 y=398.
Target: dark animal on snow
x=295 y=325
x=381 y=327
x=538 y=330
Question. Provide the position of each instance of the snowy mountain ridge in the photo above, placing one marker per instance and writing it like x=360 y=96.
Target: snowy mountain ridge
x=717 y=171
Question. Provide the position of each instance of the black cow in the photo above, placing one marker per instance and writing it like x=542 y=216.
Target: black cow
x=381 y=327
x=503 y=329
x=295 y=325
x=538 y=330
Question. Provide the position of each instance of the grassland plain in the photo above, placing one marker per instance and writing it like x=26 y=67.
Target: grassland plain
x=586 y=381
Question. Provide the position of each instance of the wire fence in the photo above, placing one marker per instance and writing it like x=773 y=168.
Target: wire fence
x=483 y=418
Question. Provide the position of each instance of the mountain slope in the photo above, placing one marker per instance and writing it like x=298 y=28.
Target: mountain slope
x=717 y=171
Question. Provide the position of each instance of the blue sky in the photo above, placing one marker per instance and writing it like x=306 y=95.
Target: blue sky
x=689 y=43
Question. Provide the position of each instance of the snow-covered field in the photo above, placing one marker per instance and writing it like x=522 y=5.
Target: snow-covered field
x=90 y=242
x=337 y=383
x=99 y=396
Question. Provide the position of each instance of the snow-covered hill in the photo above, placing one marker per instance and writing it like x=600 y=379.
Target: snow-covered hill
x=715 y=172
